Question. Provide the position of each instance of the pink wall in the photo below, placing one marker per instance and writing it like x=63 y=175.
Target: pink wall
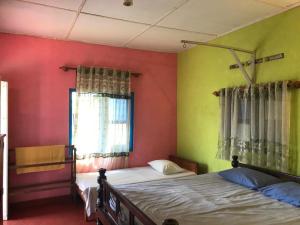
x=38 y=96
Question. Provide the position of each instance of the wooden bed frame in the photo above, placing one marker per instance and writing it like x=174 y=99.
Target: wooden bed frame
x=184 y=163
x=107 y=216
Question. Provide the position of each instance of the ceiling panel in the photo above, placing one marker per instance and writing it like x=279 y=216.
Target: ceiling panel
x=217 y=16
x=101 y=30
x=195 y=23
x=116 y=25
x=24 y=18
x=144 y=11
x=282 y=3
x=166 y=40
x=66 y=4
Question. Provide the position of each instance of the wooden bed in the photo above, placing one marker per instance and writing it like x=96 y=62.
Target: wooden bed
x=184 y=163
x=107 y=216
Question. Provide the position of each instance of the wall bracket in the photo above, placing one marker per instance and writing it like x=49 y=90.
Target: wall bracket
x=250 y=78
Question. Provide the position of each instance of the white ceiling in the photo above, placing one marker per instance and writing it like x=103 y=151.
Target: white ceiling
x=157 y=25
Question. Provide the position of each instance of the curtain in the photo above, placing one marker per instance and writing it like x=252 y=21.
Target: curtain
x=103 y=81
x=255 y=125
x=101 y=131
x=92 y=164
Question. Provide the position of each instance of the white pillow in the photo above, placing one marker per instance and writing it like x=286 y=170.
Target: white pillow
x=166 y=167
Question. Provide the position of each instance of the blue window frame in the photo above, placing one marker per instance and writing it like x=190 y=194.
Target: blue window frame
x=119 y=118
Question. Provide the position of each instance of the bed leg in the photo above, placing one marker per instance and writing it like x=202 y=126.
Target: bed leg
x=100 y=188
x=170 y=222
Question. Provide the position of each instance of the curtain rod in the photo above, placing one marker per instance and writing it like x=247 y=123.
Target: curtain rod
x=67 y=68
x=217 y=46
x=291 y=84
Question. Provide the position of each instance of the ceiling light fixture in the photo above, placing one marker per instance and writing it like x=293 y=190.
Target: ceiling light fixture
x=128 y=2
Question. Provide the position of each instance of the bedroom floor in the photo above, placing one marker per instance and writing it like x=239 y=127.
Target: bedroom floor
x=60 y=211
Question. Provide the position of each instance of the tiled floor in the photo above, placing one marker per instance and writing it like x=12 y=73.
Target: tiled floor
x=61 y=211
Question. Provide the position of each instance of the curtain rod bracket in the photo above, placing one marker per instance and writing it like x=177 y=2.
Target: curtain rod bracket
x=66 y=68
x=249 y=78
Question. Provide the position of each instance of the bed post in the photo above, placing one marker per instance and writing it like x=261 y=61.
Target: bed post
x=235 y=161
x=100 y=188
x=100 y=191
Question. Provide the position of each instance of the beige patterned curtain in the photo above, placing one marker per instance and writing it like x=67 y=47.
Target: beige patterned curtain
x=255 y=125
x=102 y=116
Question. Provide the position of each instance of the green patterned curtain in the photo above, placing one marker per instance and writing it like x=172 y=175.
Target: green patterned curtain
x=102 y=113
x=255 y=125
x=103 y=81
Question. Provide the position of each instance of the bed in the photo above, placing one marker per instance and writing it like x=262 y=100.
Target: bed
x=193 y=200
x=86 y=183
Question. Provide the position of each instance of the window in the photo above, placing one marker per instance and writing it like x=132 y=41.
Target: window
x=93 y=134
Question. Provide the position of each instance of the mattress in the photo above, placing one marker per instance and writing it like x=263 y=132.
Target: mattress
x=208 y=199
x=87 y=182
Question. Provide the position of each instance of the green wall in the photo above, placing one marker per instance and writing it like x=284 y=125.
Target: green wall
x=202 y=70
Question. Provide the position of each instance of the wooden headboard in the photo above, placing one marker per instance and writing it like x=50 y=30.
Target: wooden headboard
x=283 y=176
x=186 y=164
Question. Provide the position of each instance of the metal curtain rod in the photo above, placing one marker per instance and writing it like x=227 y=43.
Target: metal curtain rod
x=291 y=84
x=67 y=68
x=217 y=46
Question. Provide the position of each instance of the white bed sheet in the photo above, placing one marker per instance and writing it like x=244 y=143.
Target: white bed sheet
x=208 y=200
x=87 y=182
